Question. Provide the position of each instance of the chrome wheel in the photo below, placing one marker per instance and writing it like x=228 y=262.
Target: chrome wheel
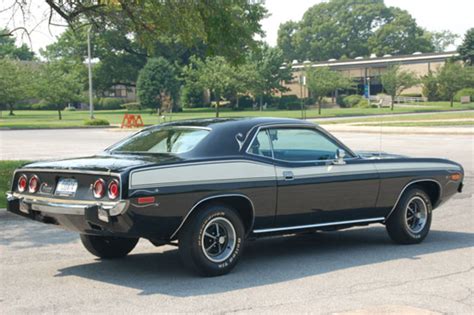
x=416 y=214
x=219 y=239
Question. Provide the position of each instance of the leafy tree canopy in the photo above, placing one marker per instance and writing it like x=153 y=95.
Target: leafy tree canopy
x=157 y=81
x=322 y=81
x=395 y=80
x=466 y=49
x=224 y=28
x=214 y=74
x=15 y=83
x=10 y=50
x=270 y=75
x=452 y=77
x=441 y=40
x=351 y=28
x=59 y=84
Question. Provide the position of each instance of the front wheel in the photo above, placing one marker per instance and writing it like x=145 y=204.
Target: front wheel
x=410 y=222
x=108 y=247
x=212 y=241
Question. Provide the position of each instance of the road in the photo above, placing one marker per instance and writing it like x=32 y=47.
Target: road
x=45 y=270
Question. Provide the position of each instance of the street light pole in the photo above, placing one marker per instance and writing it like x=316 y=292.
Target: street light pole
x=91 y=103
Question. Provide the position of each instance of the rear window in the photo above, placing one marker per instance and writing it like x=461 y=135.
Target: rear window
x=163 y=140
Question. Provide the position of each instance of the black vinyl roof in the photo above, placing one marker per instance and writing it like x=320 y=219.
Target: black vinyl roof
x=221 y=140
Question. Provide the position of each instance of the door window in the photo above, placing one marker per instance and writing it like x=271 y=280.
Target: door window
x=299 y=144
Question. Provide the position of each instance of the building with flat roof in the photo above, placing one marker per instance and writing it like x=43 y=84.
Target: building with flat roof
x=363 y=70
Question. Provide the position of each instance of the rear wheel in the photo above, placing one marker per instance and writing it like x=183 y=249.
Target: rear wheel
x=410 y=222
x=108 y=247
x=212 y=241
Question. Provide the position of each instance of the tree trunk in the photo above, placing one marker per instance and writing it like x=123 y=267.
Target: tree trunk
x=452 y=100
x=261 y=102
x=217 y=108
x=59 y=114
x=319 y=105
x=237 y=102
x=11 y=110
x=392 y=102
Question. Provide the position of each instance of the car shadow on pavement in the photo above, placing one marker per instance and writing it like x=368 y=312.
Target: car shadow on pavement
x=266 y=261
x=23 y=234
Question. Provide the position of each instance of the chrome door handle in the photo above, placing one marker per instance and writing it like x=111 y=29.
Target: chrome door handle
x=288 y=175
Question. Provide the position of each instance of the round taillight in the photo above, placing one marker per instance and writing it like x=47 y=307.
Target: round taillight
x=22 y=183
x=99 y=188
x=113 y=190
x=34 y=184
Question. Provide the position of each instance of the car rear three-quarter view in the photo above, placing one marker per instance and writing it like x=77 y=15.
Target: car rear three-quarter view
x=209 y=185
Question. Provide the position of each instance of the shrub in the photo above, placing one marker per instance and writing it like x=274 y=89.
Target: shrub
x=109 y=103
x=132 y=106
x=464 y=92
x=96 y=122
x=294 y=106
x=363 y=103
x=43 y=106
x=352 y=100
x=290 y=102
x=192 y=96
x=245 y=101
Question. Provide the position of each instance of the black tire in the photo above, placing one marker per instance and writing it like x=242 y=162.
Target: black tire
x=405 y=226
x=193 y=240
x=108 y=247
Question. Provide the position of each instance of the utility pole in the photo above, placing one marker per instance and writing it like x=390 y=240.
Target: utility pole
x=91 y=102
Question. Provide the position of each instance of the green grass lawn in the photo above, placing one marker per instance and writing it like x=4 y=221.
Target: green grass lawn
x=421 y=116
x=6 y=173
x=460 y=123
x=49 y=119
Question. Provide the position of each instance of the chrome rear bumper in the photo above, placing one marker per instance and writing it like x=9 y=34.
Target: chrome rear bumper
x=69 y=207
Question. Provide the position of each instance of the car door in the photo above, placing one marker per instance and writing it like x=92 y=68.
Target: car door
x=311 y=187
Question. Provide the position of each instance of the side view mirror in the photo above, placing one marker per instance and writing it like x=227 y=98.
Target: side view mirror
x=340 y=155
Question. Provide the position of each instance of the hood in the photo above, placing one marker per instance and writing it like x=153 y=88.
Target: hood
x=107 y=162
x=378 y=155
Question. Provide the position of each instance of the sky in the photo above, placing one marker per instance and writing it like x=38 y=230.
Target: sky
x=434 y=15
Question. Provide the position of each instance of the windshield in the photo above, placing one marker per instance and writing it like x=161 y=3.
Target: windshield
x=162 y=140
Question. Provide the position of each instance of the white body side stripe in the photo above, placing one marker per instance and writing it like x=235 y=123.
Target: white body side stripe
x=202 y=173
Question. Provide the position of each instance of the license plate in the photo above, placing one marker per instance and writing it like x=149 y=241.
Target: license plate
x=66 y=187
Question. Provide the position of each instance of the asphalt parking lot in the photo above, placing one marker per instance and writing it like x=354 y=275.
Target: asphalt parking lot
x=45 y=270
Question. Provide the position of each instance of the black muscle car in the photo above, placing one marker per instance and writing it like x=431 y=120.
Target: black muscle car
x=209 y=185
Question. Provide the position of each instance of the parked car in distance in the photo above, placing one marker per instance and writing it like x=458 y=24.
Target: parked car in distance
x=209 y=185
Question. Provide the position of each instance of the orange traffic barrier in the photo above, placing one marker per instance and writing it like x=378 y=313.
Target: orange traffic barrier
x=132 y=121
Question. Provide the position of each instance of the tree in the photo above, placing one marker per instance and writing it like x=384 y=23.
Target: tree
x=15 y=83
x=452 y=77
x=8 y=49
x=59 y=85
x=225 y=28
x=120 y=58
x=214 y=74
x=285 y=40
x=243 y=78
x=157 y=81
x=466 y=49
x=351 y=28
x=322 y=81
x=430 y=86
x=395 y=80
x=441 y=40
x=401 y=35
x=267 y=62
